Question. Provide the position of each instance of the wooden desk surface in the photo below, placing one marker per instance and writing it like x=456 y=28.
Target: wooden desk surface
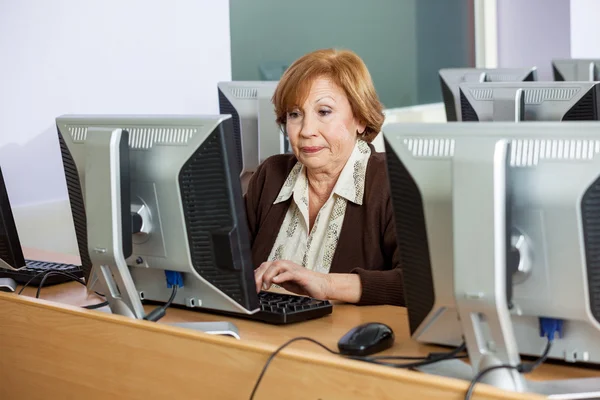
x=59 y=349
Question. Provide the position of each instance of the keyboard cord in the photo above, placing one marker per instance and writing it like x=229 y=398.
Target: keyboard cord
x=419 y=361
x=66 y=274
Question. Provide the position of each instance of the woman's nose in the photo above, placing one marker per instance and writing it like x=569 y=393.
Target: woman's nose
x=309 y=126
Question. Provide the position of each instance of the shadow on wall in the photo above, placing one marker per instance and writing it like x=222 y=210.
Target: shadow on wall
x=33 y=171
x=36 y=186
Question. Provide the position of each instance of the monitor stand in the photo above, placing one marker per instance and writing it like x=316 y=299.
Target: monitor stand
x=107 y=157
x=480 y=279
x=508 y=105
x=7 y=283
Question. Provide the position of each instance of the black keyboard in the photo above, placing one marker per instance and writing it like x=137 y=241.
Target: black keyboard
x=281 y=309
x=34 y=267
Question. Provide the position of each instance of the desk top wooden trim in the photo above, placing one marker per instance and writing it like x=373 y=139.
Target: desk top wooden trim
x=52 y=350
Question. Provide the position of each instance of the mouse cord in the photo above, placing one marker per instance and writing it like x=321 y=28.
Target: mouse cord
x=71 y=277
x=283 y=346
x=422 y=361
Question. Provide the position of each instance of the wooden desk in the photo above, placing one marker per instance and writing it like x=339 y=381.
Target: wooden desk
x=52 y=349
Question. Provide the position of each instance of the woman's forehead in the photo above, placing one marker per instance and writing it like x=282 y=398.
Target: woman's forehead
x=324 y=87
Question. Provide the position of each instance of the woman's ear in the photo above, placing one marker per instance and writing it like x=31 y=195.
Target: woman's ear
x=360 y=128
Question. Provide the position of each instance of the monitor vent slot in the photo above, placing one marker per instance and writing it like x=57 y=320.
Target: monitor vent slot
x=208 y=208
x=144 y=138
x=225 y=107
x=557 y=75
x=411 y=230
x=590 y=222
x=430 y=147
x=6 y=251
x=77 y=206
x=78 y=133
x=529 y=152
x=538 y=96
x=449 y=102
x=584 y=109
x=482 y=94
x=466 y=109
x=244 y=93
x=492 y=77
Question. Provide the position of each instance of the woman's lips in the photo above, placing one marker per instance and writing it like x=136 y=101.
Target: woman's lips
x=311 y=149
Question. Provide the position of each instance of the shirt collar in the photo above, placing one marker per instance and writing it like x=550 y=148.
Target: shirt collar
x=350 y=184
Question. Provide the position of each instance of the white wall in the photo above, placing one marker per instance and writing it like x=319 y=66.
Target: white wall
x=585 y=29
x=97 y=56
x=532 y=33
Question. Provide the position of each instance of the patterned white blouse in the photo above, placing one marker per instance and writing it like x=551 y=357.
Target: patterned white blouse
x=314 y=250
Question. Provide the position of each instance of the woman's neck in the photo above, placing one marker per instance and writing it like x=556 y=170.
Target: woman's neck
x=321 y=183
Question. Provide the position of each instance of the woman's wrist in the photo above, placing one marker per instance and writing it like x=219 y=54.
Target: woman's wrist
x=343 y=287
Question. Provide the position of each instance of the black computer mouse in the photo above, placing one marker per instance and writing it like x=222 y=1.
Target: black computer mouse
x=366 y=339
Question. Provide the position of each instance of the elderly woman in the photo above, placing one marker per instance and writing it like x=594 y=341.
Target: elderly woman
x=321 y=220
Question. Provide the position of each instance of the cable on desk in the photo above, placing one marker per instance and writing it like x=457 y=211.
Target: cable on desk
x=160 y=312
x=50 y=273
x=68 y=275
x=73 y=278
x=523 y=368
x=419 y=361
x=96 y=306
x=46 y=272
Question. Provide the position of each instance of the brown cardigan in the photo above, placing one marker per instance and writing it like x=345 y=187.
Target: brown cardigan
x=367 y=243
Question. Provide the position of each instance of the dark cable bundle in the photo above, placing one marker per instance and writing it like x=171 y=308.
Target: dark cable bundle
x=380 y=360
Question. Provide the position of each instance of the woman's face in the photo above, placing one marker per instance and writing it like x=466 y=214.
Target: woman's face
x=322 y=132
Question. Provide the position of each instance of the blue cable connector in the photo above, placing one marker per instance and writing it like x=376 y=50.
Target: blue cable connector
x=174 y=278
x=550 y=327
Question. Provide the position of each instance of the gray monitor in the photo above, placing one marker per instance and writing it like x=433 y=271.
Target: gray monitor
x=467 y=198
x=450 y=78
x=576 y=69
x=151 y=194
x=256 y=134
x=530 y=101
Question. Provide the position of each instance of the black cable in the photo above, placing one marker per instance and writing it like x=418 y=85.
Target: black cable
x=73 y=278
x=52 y=272
x=453 y=354
x=422 y=361
x=96 y=306
x=160 y=312
x=283 y=346
x=68 y=275
x=45 y=272
x=524 y=368
x=482 y=373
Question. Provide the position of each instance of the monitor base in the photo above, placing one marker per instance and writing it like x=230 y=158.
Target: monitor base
x=213 y=328
x=564 y=389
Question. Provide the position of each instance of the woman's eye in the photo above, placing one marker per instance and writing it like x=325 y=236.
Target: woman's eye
x=324 y=112
x=293 y=114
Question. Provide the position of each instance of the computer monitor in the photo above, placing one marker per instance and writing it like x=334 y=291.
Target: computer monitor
x=11 y=252
x=464 y=195
x=530 y=101
x=151 y=194
x=257 y=135
x=450 y=78
x=576 y=69
x=12 y=261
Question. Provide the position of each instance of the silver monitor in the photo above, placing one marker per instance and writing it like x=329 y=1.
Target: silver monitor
x=450 y=78
x=256 y=134
x=576 y=69
x=151 y=194
x=498 y=223
x=530 y=101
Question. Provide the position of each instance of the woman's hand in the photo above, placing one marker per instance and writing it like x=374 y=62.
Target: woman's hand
x=294 y=278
